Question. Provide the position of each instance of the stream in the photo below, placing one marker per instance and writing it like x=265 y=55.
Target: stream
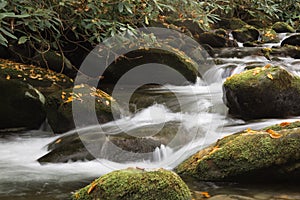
x=23 y=178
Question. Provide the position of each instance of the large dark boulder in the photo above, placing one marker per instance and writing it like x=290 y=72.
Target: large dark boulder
x=46 y=81
x=60 y=111
x=293 y=40
x=22 y=106
x=246 y=34
x=267 y=155
x=262 y=92
x=136 y=184
x=214 y=39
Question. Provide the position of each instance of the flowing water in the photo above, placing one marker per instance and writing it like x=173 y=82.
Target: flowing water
x=202 y=113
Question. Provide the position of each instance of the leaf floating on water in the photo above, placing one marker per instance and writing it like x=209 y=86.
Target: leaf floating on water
x=205 y=194
x=284 y=124
x=270 y=76
x=273 y=134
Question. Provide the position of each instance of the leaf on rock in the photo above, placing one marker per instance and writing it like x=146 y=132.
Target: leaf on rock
x=7 y=77
x=273 y=134
x=284 y=124
x=92 y=187
x=205 y=194
x=267 y=66
x=270 y=76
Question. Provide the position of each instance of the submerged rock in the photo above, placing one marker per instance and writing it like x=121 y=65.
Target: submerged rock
x=262 y=92
x=261 y=156
x=22 y=106
x=135 y=184
x=46 y=81
x=87 y=99
x=246 y=34
x=282 y=27
x=91 y=144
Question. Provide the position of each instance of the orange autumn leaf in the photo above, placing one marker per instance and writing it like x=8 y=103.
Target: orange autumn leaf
x=284 y=124
x=249 y=130
x=255 y=72
x=273 y=134
x=92 y=187
x=267 y=66
x=205 y=194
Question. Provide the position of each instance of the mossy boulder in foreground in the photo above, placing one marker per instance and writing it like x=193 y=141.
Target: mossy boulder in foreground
x=264 y=155
x=135 y=184
x=263 y=92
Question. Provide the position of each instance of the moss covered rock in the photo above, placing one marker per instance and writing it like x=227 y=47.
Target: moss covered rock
x=135 y=184
x=264 y=155
x=60 y=112
x=231 y=23
x=46 y=81
x=262 y=92
x=269 y=35
x=282 y=27
x=22 y=106
x=246 y=34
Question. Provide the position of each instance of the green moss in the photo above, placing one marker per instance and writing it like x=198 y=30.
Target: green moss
x=135 y=184
x=244 y=153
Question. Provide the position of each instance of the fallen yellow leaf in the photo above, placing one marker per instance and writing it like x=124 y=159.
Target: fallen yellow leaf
x=273 y=134
x=7 y=77
x=92 y=187
x=270 y=76
x=205 y=194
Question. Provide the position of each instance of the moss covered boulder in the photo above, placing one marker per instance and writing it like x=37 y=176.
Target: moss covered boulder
x=262 y=92
x=246 y=34
x=269 y=35
x=135 y=184
x=263 y=155
x=46 y=81
x=87 y=99
x=22 y=106
x=282 y=27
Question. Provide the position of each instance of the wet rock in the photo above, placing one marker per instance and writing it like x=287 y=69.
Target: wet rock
x=85 y=98
x=46 y=81
x=260 y=156
x=262 y=92
x=269 y=36
x=22 y=106
x=92 y=143
x=246 y=34
x=287 y=50
x=282 y=27
x=175 y=59
x=136 y=184
x=213 y=39
x=293 y=40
